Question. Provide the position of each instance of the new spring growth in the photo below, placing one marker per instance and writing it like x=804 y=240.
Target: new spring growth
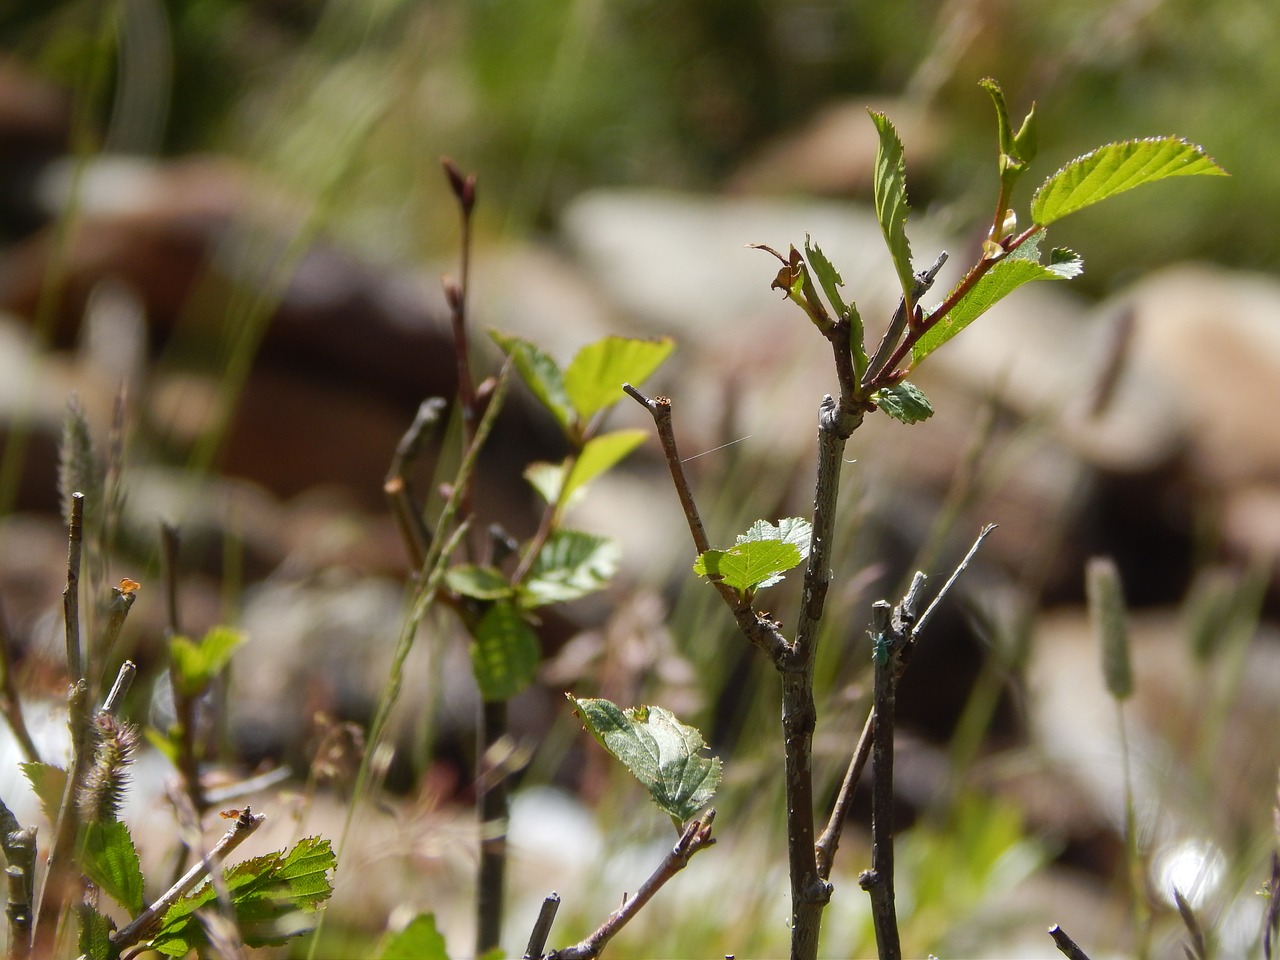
x=1107 y=613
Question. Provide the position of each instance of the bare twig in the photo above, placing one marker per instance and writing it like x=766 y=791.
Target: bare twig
x=829 y=842
x=898 y=322
x=118 y=607
x=10 y=703
x=761 y=631
x=542 y=927
x=61 y=876
x=184 y=706
x=696 y=836
x=20 y=851
x=1066 y=946
x=71 y=595
x=413 y=529
x=145 y=923
x=119 y=689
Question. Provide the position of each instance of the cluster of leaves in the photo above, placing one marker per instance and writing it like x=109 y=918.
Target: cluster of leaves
x=1010 y=258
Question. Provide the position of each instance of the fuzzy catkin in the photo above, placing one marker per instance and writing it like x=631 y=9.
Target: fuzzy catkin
x=103 y=791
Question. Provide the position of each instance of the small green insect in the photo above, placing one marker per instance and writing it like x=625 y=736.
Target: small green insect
x=880 y=650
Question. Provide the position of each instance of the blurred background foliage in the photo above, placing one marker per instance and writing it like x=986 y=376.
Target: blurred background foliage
x=548 y=99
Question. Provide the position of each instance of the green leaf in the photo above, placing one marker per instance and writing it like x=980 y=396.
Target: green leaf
x=420 y=940
x=1019 y=267
x=95 y=935
x=597 y=455
x=540 y=373
x=1016 y=149
x=1115 y=168
x=660 y=751
x=270 y=896
x=111 y=862
x=570 y=565
x=195 y=665
x=594 y=378
x=482 y=583
x=49 y=783
x=891 y=200
x=761 y=555
x=504 y=653
x=903 y=401
x=831 y=282
x=546 y=478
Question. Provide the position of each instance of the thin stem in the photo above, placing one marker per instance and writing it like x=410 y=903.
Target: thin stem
x=413 y=529
x=1066 y=946
x=903 y=319
x=71 y=594
x=120 y=689
x=542 y=927
x=696 y=836
x=184 y=706
x=829 y=842
x=20 y=850
x=492 y=797
x=10 y=703
x=142 y=925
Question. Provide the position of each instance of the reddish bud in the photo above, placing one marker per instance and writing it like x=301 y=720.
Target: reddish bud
x=452 y=292
x=464 y=187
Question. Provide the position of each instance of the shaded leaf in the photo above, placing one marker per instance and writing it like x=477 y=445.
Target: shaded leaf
x=665 y=755
x=420 y=940
x=110 y=860
x=570 y=565
x=891 y=200
x=540 y=373
x=482 y=583
x=903 y=401
x=504 y=653
x=1115 y=168
x=594 y=378
x=1019 y=267
x=95 y=934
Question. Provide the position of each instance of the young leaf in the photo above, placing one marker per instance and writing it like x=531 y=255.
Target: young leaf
x=540 y=373
x=195 y=665
x=267 y=894
x=49 y=783
x=831 y=282
x=570 y=565
x=481 y=583
x=594 y=378
x=760 y=556
x=111 y=862
x=1115 y=168
x=903 y=401
x=597 y=455
x=660 y=751
x=891 y=200
x=420 y=940
x=504 y=653
x=1019 y=267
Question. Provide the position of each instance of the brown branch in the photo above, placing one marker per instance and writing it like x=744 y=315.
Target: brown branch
x=408 y=517
x=829 y=842
x=696 y=836
x=10 y=703
x=761 y=631
x=1066 y=946
x=542 y=927
x=145 y=923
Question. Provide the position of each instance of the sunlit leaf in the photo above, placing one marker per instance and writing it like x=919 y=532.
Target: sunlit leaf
x=49 y=783
x=891 y=200
x=1115 y=168
x=665 y=755
x=570 y=565
x=481 y=583
x=597 y=455
x=831 y=282
x=196 y=664
x=1002 y=279
x=594 y=378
